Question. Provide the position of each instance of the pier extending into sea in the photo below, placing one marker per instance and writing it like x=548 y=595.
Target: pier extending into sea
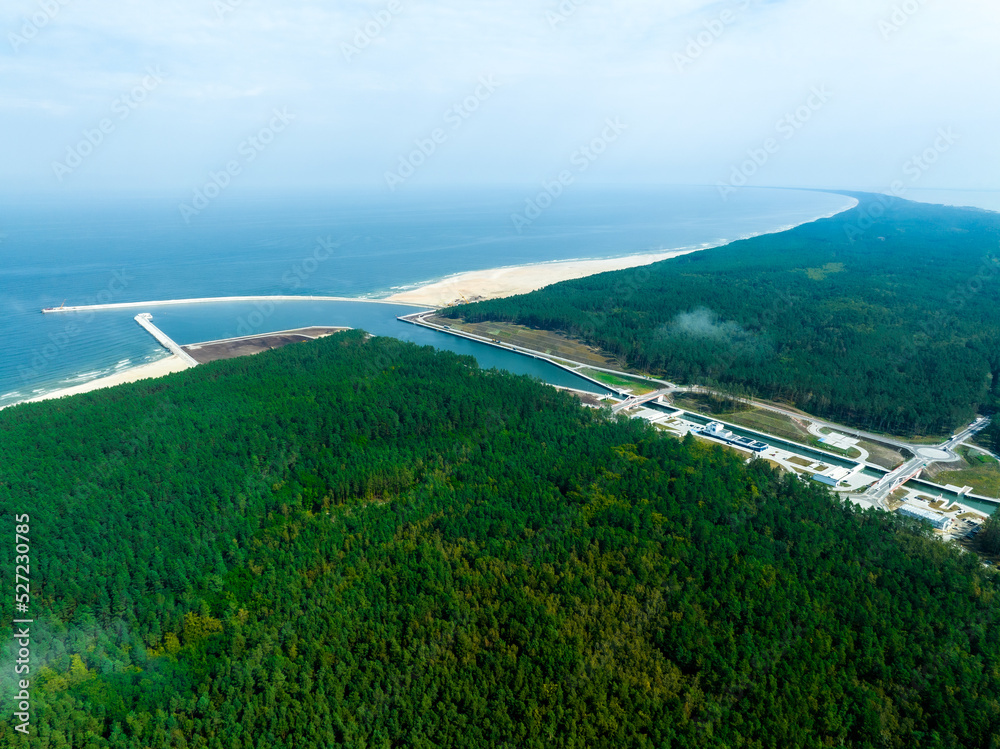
x=145 y=320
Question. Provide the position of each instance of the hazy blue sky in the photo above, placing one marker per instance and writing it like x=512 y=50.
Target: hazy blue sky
x=690 y=87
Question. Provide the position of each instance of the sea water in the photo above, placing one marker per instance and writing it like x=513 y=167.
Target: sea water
x=125 y=248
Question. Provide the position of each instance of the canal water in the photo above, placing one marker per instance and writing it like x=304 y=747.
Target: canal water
x=100 y=248
x=986 y=508
x=783 y=444
x=195 y=323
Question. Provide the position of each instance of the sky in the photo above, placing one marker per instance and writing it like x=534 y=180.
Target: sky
x=404 y=94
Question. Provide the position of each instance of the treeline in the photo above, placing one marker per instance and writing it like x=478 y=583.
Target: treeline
x=990 y=437
x=361 y=543
x=885 y=317
x=988 y=538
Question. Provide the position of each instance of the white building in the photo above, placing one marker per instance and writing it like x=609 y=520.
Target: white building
x=717 y=430
x=938 y=521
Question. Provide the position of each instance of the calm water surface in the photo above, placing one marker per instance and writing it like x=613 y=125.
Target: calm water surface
x=128 y=248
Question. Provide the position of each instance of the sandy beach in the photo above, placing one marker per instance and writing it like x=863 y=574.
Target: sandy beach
x=470 y=286
x=144 y=372
x=497 y=283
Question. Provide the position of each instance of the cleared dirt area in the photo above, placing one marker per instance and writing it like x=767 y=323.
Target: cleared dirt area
x=709 y=405
x=881 y=455
x=234 y=347
x=587 y=398
x=773 y=423
x=896 y=500
x=554 y=344
x=636 y=386
x=979 y=471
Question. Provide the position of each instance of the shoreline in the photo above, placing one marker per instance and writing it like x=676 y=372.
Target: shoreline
x=498 y=283
x=491 y=283
x=148 y=371
x=151 y=370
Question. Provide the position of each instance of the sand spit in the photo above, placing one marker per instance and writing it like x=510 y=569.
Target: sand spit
x=497 y=283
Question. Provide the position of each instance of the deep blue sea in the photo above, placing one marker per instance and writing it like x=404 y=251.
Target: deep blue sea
x=119 y=248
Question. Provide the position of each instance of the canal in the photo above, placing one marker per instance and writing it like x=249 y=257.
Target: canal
x=212 y=321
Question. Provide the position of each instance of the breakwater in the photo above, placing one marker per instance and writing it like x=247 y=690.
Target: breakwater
x=209 y=300
x=145 y=320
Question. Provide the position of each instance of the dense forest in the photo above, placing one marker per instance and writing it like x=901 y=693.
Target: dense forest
x=988 y=538
x=990 y=437
x=886 y=316
x=358 y=542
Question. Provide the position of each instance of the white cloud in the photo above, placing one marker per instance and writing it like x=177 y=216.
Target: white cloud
x=602 y=59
